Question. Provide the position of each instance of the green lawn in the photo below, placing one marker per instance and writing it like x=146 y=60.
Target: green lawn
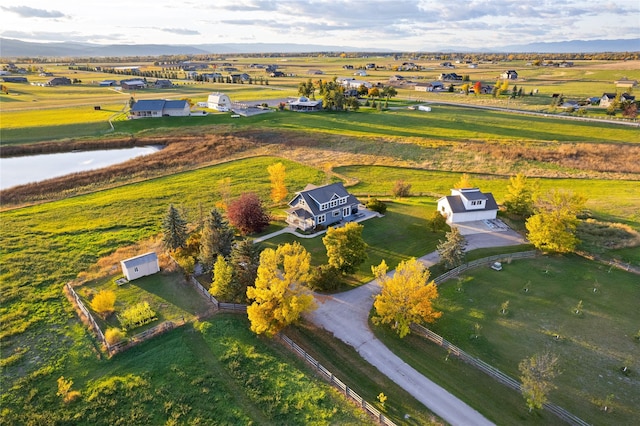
x=543 y=294
x=402 y=233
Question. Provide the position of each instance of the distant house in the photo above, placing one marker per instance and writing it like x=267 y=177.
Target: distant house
x=352 y=83
x=58 y=81
x=467 y=205
x=8 y=79
x=607 y=99
x=277 y=74
x=321 y=206
x=303 y=104
x=423 y=87
x=108 y=83
x=626 y=83
x=450 y=76
x=509 y=75
x=625 y=97
x=360 y=73
x=219 y=102
x=162 y=84
x=159 y=108
x=133 y=84
x=140 y=266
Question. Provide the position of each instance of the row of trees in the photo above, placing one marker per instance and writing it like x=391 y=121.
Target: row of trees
x=334 y=97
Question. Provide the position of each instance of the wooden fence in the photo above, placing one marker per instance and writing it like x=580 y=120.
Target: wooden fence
x=492 y=371
x=126 y=344
x=484 y=261
x=226 y=307
x=328 y=375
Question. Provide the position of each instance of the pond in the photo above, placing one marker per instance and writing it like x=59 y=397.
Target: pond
x=35 y=168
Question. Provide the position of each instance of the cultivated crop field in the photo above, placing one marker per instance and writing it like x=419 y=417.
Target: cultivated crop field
x=221 y=371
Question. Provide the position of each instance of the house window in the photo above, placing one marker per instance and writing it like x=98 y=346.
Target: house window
x=322 y=218
x=343 y=201
x=324 y=206
x=335 y=213
x=346 y=211
x=334 y=203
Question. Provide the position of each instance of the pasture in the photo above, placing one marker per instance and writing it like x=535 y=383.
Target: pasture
x=217 y=363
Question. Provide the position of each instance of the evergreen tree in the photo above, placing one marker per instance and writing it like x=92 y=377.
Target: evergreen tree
x=174 y=229
x=217 y=239
x=452 y=249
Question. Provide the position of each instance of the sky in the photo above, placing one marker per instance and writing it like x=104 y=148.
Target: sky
x=402 y=25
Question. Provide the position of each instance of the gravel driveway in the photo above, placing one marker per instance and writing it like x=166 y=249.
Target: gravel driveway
x=346 y=316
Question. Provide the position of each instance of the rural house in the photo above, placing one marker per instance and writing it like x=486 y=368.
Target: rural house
x=321 y=206
x=140 y=266
x=303 y=104
x=607 y=99
x=133 y=84
x=159 y=108
x=162 y=84
x=467 y=205
x=219 y=102
x=58 y=81
x=509 y=75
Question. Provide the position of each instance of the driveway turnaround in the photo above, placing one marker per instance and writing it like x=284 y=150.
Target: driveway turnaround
x=346 y=316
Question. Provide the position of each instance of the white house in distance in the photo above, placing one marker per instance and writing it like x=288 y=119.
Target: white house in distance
x=154 y=108
x=321 y=206
x=140 y=266
x=467 y=205
x=219 y=102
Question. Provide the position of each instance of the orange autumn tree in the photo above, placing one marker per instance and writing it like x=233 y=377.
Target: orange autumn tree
x=406 y=296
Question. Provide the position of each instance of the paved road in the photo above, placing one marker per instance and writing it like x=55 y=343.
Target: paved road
x=346 y=316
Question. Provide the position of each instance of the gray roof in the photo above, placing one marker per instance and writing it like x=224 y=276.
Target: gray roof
x=140 y=260
x=148 y=105
x=457 y=206
x=157 y=105
x=314 y=196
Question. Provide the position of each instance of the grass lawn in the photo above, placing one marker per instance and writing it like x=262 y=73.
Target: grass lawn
x=593 y=345
x=168 y=295
x=402 y=233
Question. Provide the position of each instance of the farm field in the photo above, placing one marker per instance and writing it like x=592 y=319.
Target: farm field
x=45 y=245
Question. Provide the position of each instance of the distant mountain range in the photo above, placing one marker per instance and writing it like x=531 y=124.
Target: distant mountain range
x=10 y=48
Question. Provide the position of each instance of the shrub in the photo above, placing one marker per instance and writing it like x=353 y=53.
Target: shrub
x=377 y=206
x=325 y=278
x=103 y=303
x=114 y=335
x=137 y=315
x=401 y=189
x=248 y=214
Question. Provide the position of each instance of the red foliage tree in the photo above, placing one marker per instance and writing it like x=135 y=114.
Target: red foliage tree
x=248 y=214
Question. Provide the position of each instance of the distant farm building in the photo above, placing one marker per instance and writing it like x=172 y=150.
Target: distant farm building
x=140 y=266
x=58 y=81
x=219 y=102
x=134 y=84
x=509 y=75
x=159 y=108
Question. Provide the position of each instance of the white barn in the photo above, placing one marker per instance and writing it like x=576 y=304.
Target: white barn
x=140 y=266
x=219 y=102
x=467 y=205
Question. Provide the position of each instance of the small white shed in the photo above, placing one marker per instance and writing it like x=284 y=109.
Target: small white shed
x=219 y=102
x=424 y=108
x=140 y=266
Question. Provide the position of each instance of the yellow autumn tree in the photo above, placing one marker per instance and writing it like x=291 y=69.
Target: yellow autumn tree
x=464 y=182
x=277 y=174
x=279 y=295
x=104 y=302
x=406 y=296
